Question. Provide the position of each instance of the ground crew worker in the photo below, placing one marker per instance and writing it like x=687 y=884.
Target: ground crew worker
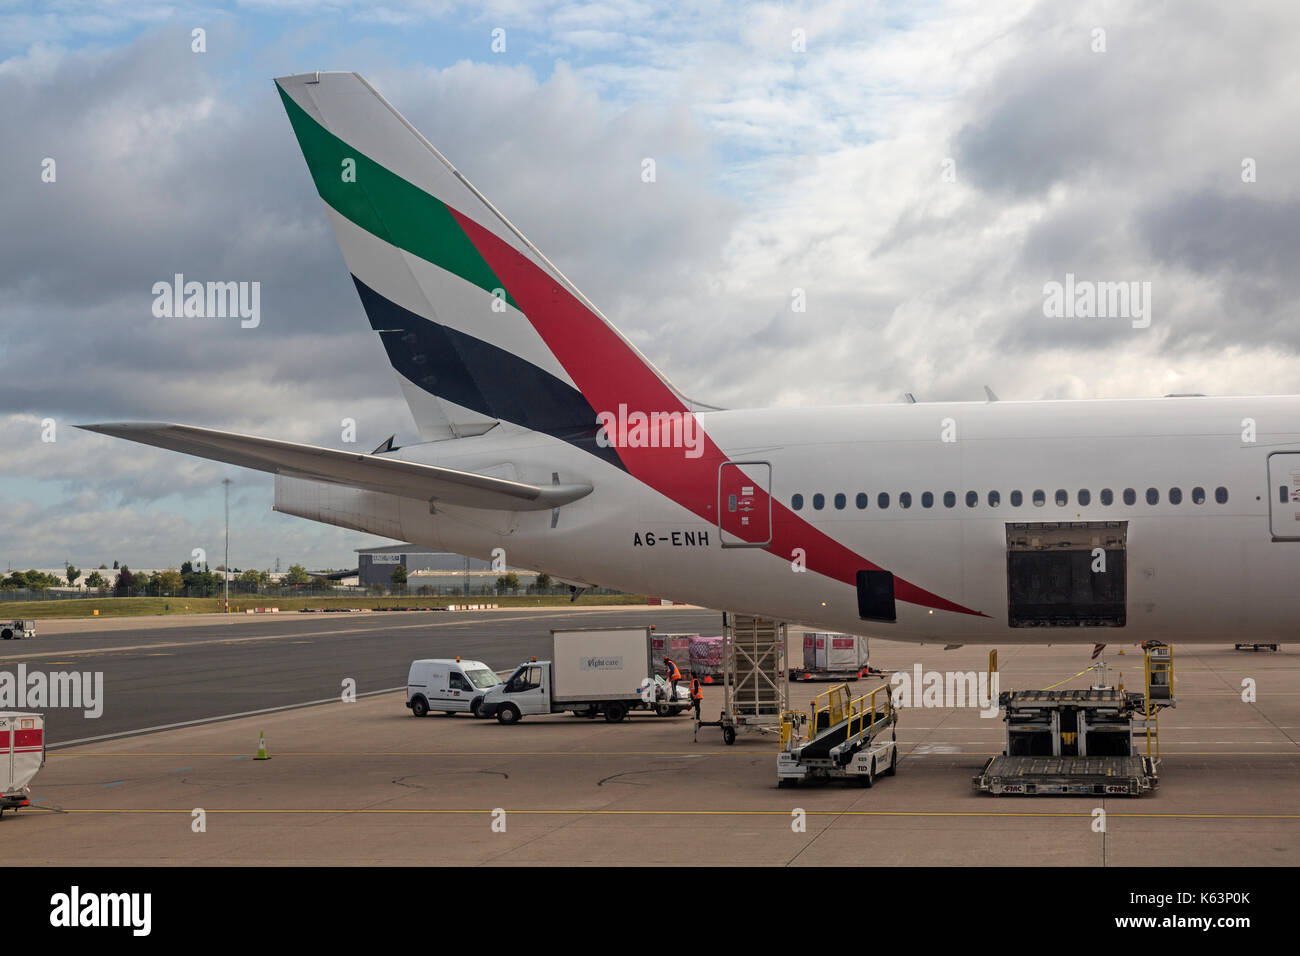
x=673 y=675
x=697 y=696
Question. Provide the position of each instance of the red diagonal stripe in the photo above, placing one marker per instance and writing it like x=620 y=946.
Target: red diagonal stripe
x=607 y=372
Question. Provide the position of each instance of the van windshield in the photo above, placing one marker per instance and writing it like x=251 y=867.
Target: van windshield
x=483 y=678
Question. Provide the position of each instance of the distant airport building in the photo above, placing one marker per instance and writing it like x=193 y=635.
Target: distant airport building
x=440 y=569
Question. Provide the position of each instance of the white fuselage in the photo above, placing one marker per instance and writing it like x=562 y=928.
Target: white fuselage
x=1208 y=571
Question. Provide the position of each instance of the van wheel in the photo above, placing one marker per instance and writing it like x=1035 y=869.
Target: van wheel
x=420 y=707
x=508 y=714
x=474 y=705
x=615 y=712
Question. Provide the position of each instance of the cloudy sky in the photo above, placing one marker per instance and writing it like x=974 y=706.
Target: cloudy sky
x=919 y=169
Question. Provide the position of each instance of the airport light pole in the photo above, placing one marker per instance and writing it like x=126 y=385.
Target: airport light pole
x=225 y=565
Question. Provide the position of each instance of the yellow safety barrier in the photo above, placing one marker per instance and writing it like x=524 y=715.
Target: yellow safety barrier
x=866 y=705
x=838 y=705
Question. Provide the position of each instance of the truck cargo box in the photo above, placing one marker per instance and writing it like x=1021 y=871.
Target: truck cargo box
x=608 y=663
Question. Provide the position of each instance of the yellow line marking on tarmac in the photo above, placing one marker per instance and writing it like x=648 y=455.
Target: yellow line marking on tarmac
x=437 y=753
x=715 y=813
x=606 y=753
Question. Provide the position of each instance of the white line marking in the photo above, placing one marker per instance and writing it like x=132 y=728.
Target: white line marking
x=213 y=720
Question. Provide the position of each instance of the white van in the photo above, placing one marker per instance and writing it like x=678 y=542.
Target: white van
x=451 y=686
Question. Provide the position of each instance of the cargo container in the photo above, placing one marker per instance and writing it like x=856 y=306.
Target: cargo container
x=832 y=657
x=22 y=753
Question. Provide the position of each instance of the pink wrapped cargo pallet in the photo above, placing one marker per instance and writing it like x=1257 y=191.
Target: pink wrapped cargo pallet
x=706 y=657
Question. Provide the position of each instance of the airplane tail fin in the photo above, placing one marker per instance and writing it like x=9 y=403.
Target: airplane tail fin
x=480 y=327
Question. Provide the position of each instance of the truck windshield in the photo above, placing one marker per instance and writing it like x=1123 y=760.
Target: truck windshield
x=483 y=678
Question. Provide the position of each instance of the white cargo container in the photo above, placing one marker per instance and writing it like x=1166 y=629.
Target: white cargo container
x=590 y=671
x=22 y=753
x=832 y=655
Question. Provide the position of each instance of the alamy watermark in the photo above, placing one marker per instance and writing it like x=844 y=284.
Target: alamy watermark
x=921 y=688
x=1084 y=299
x=624 y=429
x=179 y=299
x=26 y=689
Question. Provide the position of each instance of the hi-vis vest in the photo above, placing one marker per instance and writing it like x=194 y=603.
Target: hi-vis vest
x=697 y=692
x=673 y=672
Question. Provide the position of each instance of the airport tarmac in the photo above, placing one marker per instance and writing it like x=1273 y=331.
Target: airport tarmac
x=366 y=783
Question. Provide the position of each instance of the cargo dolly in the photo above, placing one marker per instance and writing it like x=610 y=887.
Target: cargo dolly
x=840 y=737
x=1082 y=741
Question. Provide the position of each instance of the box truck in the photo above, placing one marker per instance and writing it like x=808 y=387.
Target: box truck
x=590 y=671
x=22 y=753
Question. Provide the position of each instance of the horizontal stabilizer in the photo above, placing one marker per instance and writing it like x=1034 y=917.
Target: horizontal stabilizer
x=369 y=472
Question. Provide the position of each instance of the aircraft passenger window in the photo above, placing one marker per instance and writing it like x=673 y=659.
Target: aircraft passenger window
x=949 y=499
x=1084 y=496
x=1221 y=495
x=1175 y=496
x=819 y=501
x=1040 y=498
x=905 y=499
x=1062 y=497
x=797 y=502
x=1198 y=496
x=995 y=499
x=1130 y=496
x=861 y=500
x=1153 y=496
x=840 y=502
x=927 y=499
x=1107 y=497
x=972 y=499
x=882 y=499
x=1017 y=499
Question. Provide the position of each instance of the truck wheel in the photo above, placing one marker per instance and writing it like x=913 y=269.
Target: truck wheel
x=508 y=714
x=662 y=709
x=420 y=707
x=893 y=764
x=474 y=705
x=728 y=735
x=615 y=712
x=7 y=634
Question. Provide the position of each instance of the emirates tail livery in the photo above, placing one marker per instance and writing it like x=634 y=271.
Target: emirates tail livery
x=546 y=433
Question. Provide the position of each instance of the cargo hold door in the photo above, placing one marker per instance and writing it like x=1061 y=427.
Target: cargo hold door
x=1284 y=495
x=744 y=504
